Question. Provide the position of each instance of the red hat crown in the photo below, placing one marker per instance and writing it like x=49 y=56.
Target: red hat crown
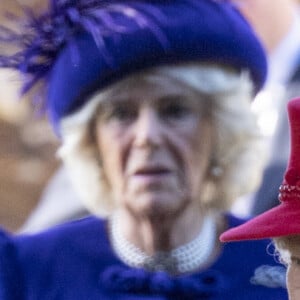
x=290 y=188
x=283 y=219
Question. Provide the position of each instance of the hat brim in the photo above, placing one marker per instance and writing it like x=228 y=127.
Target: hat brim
x=281 y=220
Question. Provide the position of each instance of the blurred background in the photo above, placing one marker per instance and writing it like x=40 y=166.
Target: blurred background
x=27 y=145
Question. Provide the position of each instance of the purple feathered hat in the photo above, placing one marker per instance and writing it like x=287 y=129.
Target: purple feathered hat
x=80 y=46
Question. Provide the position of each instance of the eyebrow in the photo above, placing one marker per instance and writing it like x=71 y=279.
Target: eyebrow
x=111 y=101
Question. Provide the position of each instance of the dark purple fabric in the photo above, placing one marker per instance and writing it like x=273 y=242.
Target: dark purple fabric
x=75 y=261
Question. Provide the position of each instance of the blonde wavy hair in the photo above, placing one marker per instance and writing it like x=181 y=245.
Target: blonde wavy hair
x=238 y=152
x=283 y=245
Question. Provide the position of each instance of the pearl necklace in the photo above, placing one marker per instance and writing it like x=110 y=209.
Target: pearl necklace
x=185 y=258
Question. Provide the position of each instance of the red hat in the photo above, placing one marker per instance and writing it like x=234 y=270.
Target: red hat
x=283 y=219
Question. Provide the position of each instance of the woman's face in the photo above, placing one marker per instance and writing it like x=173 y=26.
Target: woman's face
x=293 y=274
x=154 y=141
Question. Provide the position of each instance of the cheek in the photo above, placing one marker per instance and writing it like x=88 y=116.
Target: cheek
x=195 y=157
x=111 y=156
x=111 y=166
x=197 y=171
x=199 y=151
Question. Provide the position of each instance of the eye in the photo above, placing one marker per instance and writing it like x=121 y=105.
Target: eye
x=175 y=110
x=120 y=112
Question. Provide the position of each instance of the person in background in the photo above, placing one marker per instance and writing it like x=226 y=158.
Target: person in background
x=277 y=23
x=151 y=101
x=59 y=202
x=282 y=223
x=21 y=155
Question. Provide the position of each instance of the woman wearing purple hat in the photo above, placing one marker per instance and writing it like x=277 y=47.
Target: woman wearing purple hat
x=151 y=101
x=282 y=222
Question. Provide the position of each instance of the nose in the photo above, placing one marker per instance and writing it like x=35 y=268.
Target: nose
x=149 y=129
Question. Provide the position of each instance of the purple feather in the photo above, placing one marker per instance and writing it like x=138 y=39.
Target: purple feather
x=41 y=38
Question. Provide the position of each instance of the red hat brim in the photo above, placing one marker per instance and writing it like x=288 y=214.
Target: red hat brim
x=281 y=220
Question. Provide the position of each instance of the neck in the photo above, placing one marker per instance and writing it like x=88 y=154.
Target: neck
x=176 y=256
x=161 y=233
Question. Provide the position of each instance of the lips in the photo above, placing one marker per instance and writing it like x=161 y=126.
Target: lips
x=152 y=178
x=152 y=171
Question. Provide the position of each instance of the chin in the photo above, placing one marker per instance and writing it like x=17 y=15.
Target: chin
x=157 y=205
